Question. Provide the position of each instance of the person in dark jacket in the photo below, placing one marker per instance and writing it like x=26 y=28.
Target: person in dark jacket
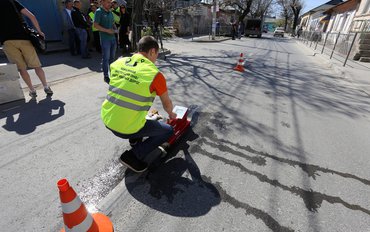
x=69 y=27
x=124 y=31
x=81 y=25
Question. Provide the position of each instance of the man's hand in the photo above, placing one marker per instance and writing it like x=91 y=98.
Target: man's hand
x=42 y=34
x=110 y=31
x=172 y=115
x=167 y=105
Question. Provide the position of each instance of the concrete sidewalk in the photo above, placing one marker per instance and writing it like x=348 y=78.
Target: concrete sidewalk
x=355 y=72
x=59 y=65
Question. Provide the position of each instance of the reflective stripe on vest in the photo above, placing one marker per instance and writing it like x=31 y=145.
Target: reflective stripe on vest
x=129 y=97
x=125 y=93
x=127 y=104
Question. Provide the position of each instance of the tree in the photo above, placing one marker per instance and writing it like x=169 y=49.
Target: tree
x=260 y=8
x=254 y=8
x=296 y=6
x=243 y=5
x=137 y=18
x=286 y=11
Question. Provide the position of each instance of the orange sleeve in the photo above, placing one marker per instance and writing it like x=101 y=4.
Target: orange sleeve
x=159 y=84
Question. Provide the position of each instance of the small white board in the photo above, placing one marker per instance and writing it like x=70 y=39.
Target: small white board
x=180 y=111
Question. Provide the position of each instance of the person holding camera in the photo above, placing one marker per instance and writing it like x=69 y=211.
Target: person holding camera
x=17 y=45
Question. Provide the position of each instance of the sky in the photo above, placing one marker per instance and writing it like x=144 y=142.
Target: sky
x=310 y=4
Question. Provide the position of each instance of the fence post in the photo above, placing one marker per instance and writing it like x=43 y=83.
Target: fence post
x=326 y=37
x=209 y=33
x=311 y=38
x=305 y=38
x=317 y=41
x=350 y=48
x=335 y=44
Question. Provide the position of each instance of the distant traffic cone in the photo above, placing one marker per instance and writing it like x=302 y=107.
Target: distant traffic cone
x=76 y=217
x=239 y=67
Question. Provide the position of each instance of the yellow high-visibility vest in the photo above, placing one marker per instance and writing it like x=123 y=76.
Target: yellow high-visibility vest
x=116 y=15
x=92 y=16
x=129 y=98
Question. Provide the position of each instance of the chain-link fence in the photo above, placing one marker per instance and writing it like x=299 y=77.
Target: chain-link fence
x=339 y=44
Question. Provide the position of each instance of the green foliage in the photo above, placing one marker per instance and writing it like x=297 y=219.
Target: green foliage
x=280 y=23
x=166 y=33
x=146 y=31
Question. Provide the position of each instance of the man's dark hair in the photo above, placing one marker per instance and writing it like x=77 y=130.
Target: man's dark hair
x=146 y=43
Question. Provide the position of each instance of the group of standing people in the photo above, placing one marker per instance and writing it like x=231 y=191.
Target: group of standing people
x=136 y=81
x=110 y=27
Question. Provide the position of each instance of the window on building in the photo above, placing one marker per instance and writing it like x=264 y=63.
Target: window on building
x=366 y=8
x=336 y=22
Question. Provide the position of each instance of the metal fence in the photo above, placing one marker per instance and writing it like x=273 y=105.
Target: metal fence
x=337 y=43
x=221 y=31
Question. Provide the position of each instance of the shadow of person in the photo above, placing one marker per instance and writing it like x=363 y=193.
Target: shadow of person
x=33 y=114
x=175 y=187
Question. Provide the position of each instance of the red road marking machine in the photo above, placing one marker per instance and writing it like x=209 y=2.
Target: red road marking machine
x=180 y=124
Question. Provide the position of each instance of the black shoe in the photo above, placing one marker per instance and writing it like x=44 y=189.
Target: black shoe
x=164 y=148
x=48 y=91
x=135 y=141
x=33 y=94
x=129 y=159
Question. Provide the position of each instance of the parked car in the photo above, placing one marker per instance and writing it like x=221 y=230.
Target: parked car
x=279 y=31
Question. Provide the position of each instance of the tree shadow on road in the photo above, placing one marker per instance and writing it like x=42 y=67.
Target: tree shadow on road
x=176 y=186
x=32 y=114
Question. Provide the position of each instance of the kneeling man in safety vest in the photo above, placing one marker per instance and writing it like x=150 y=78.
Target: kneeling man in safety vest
x=134 y=83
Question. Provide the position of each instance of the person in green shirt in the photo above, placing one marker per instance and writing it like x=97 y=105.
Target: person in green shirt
x=104 y=22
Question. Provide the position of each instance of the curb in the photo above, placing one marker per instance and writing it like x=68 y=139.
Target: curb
x=109 y=202
x=209 y=41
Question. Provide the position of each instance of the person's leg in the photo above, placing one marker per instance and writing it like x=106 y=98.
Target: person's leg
x=22 y=53
x=113 y=49
x=41 y=75
x=157 y=133
x=13 y=52
x=82 y=35
x=77 y=43
x=26 y=78
x=125 y=45
x=105 y=46
x=33 y=61
x=97 y=41
x=72 y=41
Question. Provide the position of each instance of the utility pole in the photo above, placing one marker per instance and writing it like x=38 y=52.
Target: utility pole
x=214 y=15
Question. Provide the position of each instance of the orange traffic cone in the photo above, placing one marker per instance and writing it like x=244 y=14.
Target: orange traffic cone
x=239 y=67
x=76 y=217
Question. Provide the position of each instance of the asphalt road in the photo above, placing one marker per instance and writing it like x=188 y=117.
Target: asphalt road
x=282 y=146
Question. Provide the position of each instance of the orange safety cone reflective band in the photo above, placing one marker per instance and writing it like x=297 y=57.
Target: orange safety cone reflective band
x=239 y=67
x=76 y=217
